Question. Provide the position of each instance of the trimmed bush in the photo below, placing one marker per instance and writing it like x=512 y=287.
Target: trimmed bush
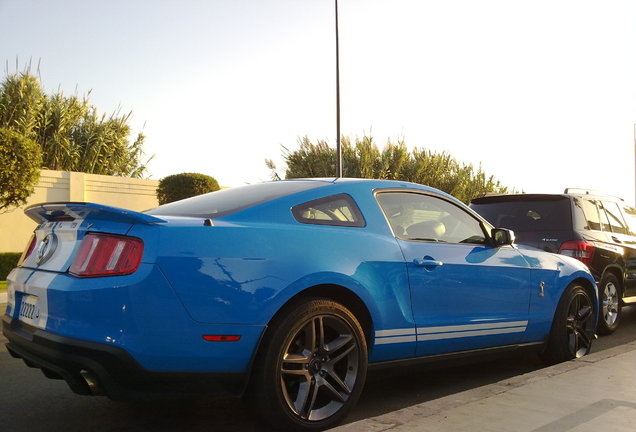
x=8 y=261
x=180 y=186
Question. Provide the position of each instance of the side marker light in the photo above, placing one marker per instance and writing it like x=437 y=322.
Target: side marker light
x=222 y=338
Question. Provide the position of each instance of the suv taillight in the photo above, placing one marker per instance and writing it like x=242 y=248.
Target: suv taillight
x=107 y=255
x=28 y=250
x=579 y=249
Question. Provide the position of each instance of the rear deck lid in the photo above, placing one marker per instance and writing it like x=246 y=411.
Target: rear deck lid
x=67 y=211
x=62 y=226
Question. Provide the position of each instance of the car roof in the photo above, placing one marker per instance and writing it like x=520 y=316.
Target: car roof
x=541 y=197
x=234 y=200
x=518 y=197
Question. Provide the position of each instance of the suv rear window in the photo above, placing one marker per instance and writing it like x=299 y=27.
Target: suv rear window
x=228 y=201
x=519 y=214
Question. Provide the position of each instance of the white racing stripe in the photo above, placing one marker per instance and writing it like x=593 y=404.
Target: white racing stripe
x=37 y=285
x=395 y=332
x=66 y=234
x=455 y=335
x=469 y=327
x=395 y=339
x=391 y=336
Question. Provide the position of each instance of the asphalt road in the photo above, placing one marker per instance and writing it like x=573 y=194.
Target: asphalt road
x=31 y=402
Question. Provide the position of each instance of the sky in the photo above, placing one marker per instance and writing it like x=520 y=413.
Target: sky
x=541 y=93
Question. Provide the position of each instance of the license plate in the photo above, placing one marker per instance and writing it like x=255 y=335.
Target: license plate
x=29 y=310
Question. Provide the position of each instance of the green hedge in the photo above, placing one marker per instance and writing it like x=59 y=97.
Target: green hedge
x=8 y=260
x=180 y=186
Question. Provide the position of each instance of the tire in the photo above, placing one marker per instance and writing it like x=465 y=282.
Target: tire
x=311 y=368
x=610 y=299
x=573 y=326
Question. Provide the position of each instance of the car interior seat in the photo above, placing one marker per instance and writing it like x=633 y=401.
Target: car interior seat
x=432 y=230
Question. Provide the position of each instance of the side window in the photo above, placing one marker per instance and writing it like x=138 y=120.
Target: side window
x=338 y=210
x=615 y=218
x=579 y=219
x=604 y=220
x=630 y=218
x=591 y=214
x=415 y=216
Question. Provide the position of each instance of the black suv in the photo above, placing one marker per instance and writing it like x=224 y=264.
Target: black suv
x=598 y=230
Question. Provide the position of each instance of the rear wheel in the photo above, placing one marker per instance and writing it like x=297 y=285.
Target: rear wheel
x=610 y=296
x=573 y=326
x=312 y=368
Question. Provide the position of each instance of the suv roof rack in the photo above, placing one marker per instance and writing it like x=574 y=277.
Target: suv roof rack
x=589 y=192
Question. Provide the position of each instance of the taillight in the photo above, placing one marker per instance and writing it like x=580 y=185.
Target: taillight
x=107 y=255
x=581 y=250
x=28 y=250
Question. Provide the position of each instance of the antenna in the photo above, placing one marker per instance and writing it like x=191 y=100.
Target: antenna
x=338 y=146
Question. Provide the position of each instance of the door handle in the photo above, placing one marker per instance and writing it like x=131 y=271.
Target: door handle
x=616 y=239
x=427 y=262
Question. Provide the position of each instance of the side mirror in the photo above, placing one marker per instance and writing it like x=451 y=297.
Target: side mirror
x=502 y=236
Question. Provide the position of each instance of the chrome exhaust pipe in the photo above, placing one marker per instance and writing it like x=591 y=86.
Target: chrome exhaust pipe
x=92 y=382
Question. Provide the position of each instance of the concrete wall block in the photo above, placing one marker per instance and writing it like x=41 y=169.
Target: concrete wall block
x=61 y=186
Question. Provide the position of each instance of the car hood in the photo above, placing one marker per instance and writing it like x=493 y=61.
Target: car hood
x=538 y=258
x=522 y=246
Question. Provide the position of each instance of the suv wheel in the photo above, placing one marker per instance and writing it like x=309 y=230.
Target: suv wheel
x=610 y=298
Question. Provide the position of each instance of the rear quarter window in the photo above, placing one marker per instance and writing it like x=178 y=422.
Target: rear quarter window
x=337 y=210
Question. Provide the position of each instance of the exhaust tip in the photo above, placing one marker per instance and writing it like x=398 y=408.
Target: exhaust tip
x=92 y=382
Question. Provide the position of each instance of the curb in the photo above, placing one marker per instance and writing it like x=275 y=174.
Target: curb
x=388 y=421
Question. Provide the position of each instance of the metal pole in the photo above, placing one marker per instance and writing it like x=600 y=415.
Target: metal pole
x=338 y=146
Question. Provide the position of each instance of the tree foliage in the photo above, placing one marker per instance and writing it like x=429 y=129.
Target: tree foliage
x=20 y=160
x=180 y=186
x=363 y=159
x=69 y=130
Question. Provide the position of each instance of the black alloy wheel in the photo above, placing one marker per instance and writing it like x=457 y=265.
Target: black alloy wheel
x=573 y=326
x=312 y=368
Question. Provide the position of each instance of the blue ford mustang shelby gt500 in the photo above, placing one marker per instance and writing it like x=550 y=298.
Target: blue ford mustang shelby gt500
x=283 y=292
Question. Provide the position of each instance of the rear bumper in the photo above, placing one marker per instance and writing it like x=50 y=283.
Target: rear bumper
x=92 y=368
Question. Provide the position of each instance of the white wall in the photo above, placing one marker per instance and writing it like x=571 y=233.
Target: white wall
x=55 y=186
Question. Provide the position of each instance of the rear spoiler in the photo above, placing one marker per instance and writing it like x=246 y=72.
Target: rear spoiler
x=69 y=211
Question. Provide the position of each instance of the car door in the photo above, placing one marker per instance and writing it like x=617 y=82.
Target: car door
x=466 y=294
x=623 y=227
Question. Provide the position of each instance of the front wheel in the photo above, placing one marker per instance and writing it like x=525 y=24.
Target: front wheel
x=573 y=326
x=312 y=368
